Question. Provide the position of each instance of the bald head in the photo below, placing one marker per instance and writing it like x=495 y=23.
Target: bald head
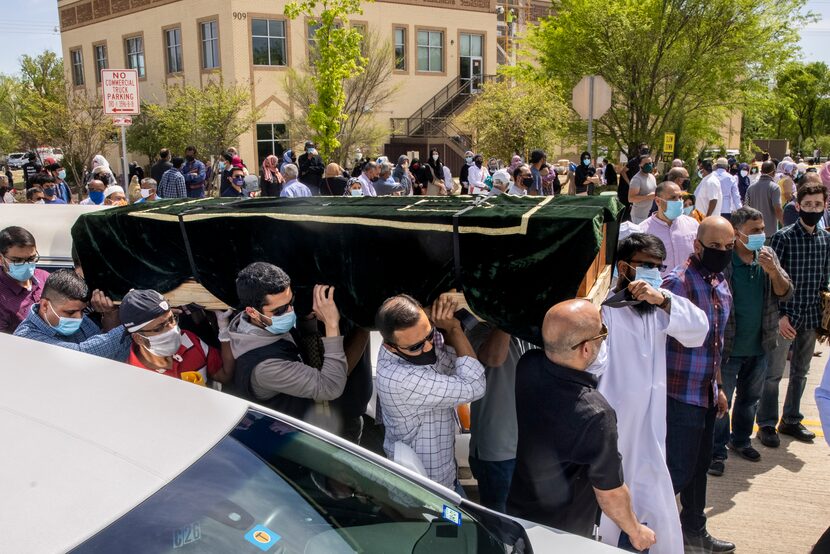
x=714 y=232
x=568 y=324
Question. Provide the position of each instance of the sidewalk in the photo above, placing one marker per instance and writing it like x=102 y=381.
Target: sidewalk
x=782 y=503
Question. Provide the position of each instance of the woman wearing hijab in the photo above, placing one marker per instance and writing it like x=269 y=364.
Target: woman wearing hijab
x=585 y=177
x=333 y=184
x=786 y=169
x=743 y=180
x=401 y=175
x=288 y=158
x=271 y=181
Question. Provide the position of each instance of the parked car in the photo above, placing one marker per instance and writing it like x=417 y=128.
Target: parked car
x=102 y=457
x=15 y=160
x=48 y=152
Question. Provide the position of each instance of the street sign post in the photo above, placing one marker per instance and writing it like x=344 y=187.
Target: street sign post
x=591 y=99
x=119 y=90
x=668 y=143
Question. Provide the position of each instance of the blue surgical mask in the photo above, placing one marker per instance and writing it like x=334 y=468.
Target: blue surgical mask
x=62 y=174
x=356 y=192
x=281 y=324
x=221 y=166
x=21 y=272
x=468 y=159
x=96 y=196
x=586 y=162
x=650 y=276
x=66 y=326
x=688 y=210
x=673 y=209
x=755 y=242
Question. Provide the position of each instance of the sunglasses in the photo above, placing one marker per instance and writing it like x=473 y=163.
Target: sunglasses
x=419 y=345
x=603 y=334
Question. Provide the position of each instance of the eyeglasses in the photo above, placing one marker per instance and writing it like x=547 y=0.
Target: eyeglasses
x=647 y=265
x=418 y=345
x=167 y=323
x=603 y=334
x=32 y=260
x=284 y=308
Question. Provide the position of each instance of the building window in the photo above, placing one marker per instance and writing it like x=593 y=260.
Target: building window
x=268 y=38
x=135 y=55
x=311 y=37
x=173 y=45
x=271 y=138
x=400 y=48
x=210 y=44
x=77 y=59
x=430 y=51
x=100 y=51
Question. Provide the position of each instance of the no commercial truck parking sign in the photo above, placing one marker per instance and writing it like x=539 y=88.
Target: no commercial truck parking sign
x=120 y=91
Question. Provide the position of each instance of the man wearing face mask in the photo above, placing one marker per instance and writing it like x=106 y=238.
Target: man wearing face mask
x=160 y=345
x=464 y=175
x=641 y=190
x=237 y=181
x=477 y=175
x=21 y=284
x=50 y=189
x=368 y=178
x=96 y=193
x=269 y=369
x=765 y=196
x=676 y=230
x=804 y=252
x=708 y=194
x=58 y=173
x=59 y=319
x=501 y=182
x=311 y=168
x=425 y=369
x=634 y=382
x=758 y=284
x=522 y=181
x=568 y=466
x=195 y=173
x=695 y=389
x=147 y=191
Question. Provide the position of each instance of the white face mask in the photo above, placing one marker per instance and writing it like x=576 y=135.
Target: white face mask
x=435 y=157
x=145 y=193
x=743 y=173
x=598 y=366
x=165 y=344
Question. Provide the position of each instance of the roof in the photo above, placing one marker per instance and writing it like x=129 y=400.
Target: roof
x=113 y=444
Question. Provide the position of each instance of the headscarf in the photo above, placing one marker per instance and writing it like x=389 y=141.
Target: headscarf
x=743 y=182
x=269 y=169
x=825 y=174
x=99 y=161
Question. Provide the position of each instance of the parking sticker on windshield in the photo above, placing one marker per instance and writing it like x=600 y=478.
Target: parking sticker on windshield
x=452 y=515
x=262 y=537
x=186 y=535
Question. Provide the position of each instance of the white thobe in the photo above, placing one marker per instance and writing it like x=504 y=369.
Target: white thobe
x=634 y=383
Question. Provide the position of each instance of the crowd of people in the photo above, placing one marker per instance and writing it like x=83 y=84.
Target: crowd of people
x=624 y=406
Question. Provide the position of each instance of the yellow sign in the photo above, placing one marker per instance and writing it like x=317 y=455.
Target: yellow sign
x=668 y=142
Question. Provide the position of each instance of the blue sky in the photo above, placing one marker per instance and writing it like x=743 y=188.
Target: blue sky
x=30 y=30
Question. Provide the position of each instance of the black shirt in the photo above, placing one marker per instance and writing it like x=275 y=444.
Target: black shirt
x=567 y=446
x=159 y=168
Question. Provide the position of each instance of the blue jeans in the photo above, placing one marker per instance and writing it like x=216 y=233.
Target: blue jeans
x=744 y=376
x=494 y=480
x=803 y=346
x=689 y=439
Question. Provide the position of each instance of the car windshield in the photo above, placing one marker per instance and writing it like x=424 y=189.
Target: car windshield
x=271 y=487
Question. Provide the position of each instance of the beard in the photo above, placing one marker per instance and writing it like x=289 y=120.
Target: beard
x=644 y=308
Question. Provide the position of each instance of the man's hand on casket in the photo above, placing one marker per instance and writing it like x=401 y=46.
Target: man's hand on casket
x=104 y=305
x=325 y=310
x=443 y=317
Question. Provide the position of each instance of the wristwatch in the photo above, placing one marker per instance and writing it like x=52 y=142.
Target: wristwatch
x=666 y=300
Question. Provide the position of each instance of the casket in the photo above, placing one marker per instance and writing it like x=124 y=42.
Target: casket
x=510 y=257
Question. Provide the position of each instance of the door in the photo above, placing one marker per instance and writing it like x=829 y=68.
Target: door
x=471 y=70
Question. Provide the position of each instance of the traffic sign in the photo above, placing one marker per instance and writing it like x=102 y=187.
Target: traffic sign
x=122 y=121
x=582 y=95
x=119 y=89
x=668 y=143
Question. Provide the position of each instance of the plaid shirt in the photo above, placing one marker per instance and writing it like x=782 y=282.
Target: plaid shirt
x=172 y=185
x=418 y=405
x=691 y=372
x=806 y=258
x=89 y=339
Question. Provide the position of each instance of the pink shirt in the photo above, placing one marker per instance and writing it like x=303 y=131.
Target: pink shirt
x=679 y=239
x=16 y=301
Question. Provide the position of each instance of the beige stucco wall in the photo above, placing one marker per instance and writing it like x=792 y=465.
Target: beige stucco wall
x=267 y=83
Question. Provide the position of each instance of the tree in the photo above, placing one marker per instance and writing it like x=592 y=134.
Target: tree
x=338 y=57
x=509 y=117
x=210 y=118
x=665 y=58
x=365 y=94
x=42 y=97
x=803 y=88
x=81 y=132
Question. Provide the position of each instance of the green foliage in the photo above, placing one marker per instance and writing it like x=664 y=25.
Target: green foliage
x=210 y=118
x=515 y=116
x=671 y=63
x=338 y=57
x=365 y=94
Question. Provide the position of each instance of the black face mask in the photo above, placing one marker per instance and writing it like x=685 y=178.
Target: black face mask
x=479 y=163
x=715 y=260
x=810 y=219
x=527 y=182
x=190 y=158
x=424 y=358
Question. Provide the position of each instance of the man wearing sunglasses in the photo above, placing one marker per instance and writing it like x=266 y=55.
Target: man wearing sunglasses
x=21 y=283
x=567 y=463
x=269 y=368
x=634 y=382
x=161 y=346
x=422 y=375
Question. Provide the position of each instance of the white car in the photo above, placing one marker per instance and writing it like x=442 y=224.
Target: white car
x=102 y=457
x=15 y=160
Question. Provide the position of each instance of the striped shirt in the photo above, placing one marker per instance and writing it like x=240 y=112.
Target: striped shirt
x=806 y=258
x=692 y=372
x=418 y=405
